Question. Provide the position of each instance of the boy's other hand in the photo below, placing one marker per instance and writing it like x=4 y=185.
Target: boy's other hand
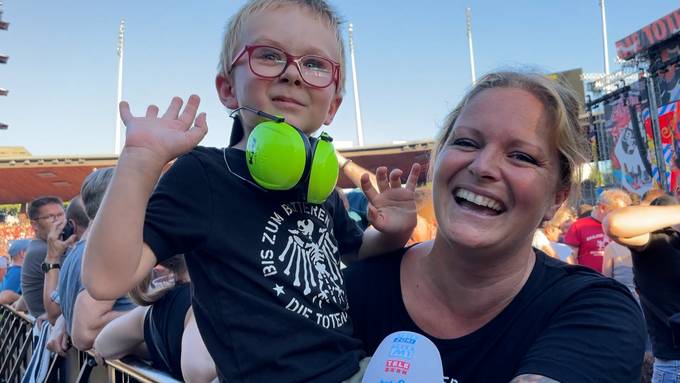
x=392 y=210
x=169 y=136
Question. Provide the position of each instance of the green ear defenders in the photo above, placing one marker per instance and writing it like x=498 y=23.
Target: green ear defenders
x=281 y=157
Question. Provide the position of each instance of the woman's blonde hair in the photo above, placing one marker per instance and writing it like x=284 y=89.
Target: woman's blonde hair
x=561 y=108
x=141 y=294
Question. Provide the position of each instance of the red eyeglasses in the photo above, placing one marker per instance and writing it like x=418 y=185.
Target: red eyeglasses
x=270 y=62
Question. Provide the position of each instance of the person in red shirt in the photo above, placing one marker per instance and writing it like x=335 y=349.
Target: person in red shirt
x=586 y=236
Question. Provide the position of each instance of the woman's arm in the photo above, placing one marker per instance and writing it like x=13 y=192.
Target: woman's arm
x=354 y=171
x=123 y=335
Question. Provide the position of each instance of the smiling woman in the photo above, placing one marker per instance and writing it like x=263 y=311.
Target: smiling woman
x=497 y=309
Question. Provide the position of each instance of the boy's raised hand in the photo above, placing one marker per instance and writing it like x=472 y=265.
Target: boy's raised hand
x=392 y=210
x=168 y=136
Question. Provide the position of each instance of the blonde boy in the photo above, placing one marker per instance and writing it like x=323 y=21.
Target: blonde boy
x=269 y=297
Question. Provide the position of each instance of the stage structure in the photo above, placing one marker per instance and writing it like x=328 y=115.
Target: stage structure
x=3 y=60
x=634 y=124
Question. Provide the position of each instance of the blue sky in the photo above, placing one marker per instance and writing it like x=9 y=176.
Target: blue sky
x=412 y=60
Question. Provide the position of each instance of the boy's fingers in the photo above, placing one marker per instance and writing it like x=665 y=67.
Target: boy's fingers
x=125 y=114
x=381 y=178
x=413 y=176
x=199 y=130
x=367 y=188
x=190 y=109
x=173 y=108
x=395 y=178
x=152 y=111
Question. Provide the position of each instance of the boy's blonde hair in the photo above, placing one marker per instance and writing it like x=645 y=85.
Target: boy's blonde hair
x=561 y=107
x=320 y=8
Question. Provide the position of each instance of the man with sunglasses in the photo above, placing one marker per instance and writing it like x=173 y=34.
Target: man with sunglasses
x=42 y=211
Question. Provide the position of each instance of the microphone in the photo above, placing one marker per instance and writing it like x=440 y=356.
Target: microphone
x=258 y=112
x=405 y=357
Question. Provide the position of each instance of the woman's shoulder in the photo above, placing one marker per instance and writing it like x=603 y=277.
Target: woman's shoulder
x=557 y=277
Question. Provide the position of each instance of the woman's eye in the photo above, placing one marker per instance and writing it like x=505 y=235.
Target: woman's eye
x=465 y=142
x=524 y=157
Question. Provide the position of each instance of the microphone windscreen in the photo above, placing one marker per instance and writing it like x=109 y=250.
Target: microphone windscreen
x=405 y=357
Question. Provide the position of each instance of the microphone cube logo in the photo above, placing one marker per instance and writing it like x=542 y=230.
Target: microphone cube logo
x=397 y=366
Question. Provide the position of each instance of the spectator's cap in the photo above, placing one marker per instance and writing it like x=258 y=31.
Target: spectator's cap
x=17 y=246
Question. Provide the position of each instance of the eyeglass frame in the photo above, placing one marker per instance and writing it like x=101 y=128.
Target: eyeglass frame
x=335 y=76
x=52 y=216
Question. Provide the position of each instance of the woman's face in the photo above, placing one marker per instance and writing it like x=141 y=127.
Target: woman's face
x=496 y=178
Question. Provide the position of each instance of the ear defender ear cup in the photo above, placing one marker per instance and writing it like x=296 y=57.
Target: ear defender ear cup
x=323 y=174
x=276 y=154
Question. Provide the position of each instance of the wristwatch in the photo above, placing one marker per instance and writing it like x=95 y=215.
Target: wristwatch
x=49 y=266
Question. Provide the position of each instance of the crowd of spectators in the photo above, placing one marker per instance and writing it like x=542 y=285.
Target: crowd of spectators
x=43 y=278
x=14 y=227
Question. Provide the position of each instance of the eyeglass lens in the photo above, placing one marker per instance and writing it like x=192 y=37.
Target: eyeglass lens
x=271 y=62
x=52 y=216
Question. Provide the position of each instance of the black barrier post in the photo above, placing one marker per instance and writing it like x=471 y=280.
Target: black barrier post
x=656 y=133
x=86 y=369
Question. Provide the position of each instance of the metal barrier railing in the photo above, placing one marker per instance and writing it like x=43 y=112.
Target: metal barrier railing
x=15 y=344
x=16 y=331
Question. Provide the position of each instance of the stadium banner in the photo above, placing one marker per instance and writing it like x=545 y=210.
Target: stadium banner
x=629 y=165
x=652 y=34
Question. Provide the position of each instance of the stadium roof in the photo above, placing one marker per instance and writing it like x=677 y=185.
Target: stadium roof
x=24 y=177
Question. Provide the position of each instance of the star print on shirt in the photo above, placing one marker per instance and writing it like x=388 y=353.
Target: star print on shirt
x=279 y=290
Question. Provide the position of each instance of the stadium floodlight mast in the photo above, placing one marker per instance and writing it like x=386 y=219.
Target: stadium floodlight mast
x=120 y=50
x=468 y=24
x=355 y=82
x=604 y=38
x=3 y=60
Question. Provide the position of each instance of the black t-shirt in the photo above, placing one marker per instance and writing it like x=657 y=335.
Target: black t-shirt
x=567 y=323
x=657 y=275
x=269 y=297
x=165 y=342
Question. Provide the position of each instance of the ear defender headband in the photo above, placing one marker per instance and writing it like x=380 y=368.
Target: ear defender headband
x=281 y=157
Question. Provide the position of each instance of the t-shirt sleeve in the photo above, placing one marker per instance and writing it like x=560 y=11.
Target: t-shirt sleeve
x=179 y=213
x=598 y=335
x=12 y=281
x=348 y=234
x=572 y=238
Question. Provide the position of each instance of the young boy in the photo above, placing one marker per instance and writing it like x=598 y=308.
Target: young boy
x=269 y=297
